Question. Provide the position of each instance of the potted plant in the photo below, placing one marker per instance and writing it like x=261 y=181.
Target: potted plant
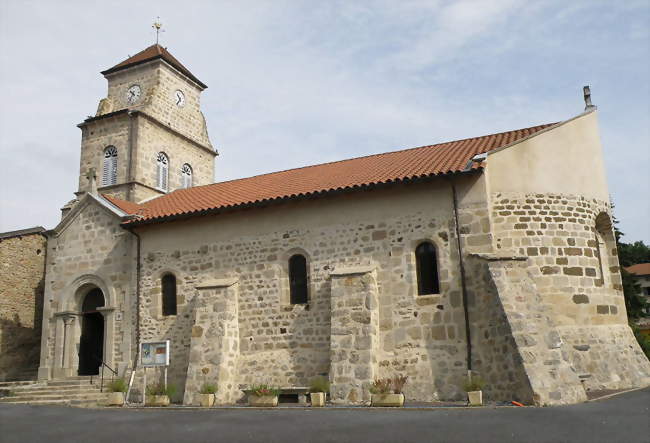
x=116 y=391
x=473 y=385
x=158 y=394
x=318 y=389
x=388 y=391
x=263 y=395
x=206 y=394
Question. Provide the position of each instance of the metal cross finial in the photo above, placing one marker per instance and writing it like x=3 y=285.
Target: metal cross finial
x=157 y=25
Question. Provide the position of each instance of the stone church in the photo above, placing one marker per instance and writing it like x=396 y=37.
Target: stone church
x=493 y=254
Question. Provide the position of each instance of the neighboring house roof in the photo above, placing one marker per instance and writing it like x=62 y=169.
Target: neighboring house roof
x=356 y=173
x=154 y=52
x=22 y=232
x=639 y=269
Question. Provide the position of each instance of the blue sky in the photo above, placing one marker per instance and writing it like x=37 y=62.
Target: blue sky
x=293 y=83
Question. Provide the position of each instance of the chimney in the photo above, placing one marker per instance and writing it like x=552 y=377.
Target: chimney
x=586 y=91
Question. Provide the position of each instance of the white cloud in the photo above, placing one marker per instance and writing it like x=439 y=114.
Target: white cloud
x=295 y=83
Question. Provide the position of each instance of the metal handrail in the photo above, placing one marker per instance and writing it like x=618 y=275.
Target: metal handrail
x=102 y=364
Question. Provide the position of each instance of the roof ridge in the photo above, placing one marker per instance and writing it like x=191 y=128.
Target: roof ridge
x=379 y=154
x=150 y=53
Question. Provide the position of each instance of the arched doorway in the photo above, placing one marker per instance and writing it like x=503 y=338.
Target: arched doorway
x=91 y=343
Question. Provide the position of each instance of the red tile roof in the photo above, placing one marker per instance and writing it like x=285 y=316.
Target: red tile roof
x=409 y=164
x=125 y=205
x=639 y=269
x=151 y=53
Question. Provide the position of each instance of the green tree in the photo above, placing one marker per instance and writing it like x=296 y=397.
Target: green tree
x=635 y=303
x=631 y=254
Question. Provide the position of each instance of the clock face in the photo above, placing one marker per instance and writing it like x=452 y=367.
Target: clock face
x=179 y=98
x=133 y=94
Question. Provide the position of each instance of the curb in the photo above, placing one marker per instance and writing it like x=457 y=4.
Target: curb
x=604 y=397
x=306 y=408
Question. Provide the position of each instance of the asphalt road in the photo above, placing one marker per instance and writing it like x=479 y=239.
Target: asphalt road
x=624 y=418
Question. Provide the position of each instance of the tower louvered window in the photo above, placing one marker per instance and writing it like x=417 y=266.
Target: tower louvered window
x=109 y=169
x=186 y=176
x=162 y=174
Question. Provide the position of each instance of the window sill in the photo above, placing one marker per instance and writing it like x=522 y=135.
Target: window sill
x=296 y=307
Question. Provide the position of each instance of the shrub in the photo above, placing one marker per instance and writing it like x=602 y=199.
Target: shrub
x=398 y=383
x=381 y=386
x=263 y=389
x=160 y=389
x=473 y=383
x=208 y=388
x=388 y=385
x=319 y=384
x=644 y=340
x=118 y=385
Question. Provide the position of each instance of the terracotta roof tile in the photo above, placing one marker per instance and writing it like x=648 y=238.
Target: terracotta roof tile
x=151 y=53
x=639 y=269
x=425 y=161
x=130 y=208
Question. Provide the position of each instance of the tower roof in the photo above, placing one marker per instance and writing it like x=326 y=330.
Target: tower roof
x=154 y=52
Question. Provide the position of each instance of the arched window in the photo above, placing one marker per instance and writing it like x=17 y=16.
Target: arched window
x=605 y=243
x=168 y=294
x=109 y=169
x=427 y=268
x=298 y=279
x=186 y=176
x=162 y=163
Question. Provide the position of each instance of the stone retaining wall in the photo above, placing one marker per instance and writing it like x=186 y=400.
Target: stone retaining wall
x=22 y=261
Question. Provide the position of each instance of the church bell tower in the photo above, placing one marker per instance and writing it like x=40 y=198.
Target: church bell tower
x=149 y=135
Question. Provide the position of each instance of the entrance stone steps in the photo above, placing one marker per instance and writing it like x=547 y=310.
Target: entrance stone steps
x=54 y=397
x=73 y=391
x=45 y=390
x=9 y=384
x=28 y=375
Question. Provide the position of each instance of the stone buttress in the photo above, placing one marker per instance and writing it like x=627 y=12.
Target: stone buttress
x=214 y=347
x=354 y=336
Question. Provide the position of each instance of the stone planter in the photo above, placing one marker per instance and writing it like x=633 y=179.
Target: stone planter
x=206 y=400
x=115 y=399
x=157 y=400
x=264 y=401
x=390 y=400
x=317 y=399
x=475 y=398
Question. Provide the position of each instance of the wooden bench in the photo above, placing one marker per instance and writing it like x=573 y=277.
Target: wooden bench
x=300 y=391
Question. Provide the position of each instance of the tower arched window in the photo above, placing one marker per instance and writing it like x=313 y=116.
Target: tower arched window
x=109 y=167
x=427 y=268
x=186 y=176
x=298 y=293
x=162 y=173
x=168 y=283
